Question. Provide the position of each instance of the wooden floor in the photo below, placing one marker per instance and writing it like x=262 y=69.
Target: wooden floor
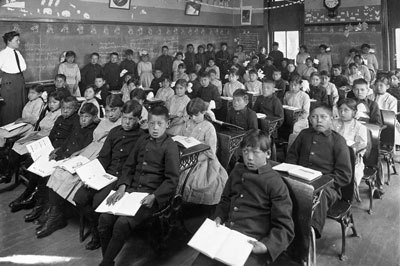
x=379 y=243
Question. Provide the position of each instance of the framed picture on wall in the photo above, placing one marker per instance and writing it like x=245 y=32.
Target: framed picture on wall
x=120 y=4
x=246 y=12
x=192 y=9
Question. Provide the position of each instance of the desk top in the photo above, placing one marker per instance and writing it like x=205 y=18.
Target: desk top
x=373 y=126
x=318 y=184
x=272 y=119
x=192 y=150
x=231 y=133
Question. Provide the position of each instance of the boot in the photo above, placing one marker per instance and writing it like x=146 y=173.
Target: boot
x=21 y=197
x=43 y=217
x=94 y=243
x=35 y=213
x=27 y=203
x=55 y=221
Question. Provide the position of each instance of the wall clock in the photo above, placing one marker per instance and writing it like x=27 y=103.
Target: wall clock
x=332 y=6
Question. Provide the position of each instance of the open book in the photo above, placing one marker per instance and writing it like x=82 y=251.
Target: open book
x=128 y=205
x=261 y=116
x=186 y=142
x=292 y=108
x=221 y=243
x=93 y=175
x=298 y=171
x=40 y=148
x=12 y=126
x=226 y=98
x=72 y=163
x=350 y=142
x=43 y=167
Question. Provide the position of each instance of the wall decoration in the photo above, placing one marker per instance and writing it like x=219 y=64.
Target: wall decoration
x=120 y=4
x=192 y=9
x=246 y=13
x=348 y=14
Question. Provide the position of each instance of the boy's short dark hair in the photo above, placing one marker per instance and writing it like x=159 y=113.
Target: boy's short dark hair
x=315 y=74
x=182 y=65
x=160 y=110
x=61 y=76
x=233 y=71
x=324 y=107
x=241 y=93
x=56 y=95
x=157 y=69
x=256 y=138
x=360 y=82
x=277 y=71
x=224 y=44
x=9 y=36
x=365 y=45
x=181 y=82
x=195 y=106
x=95 y=54
x=296 y=78
x=133 y=107
x=37 y=88
x=309 y=59
x=114 y=53
x=189 y=45
x=200 y=46
x=275 y=44
x=252 y=71
x=114 y=100
x=129 y=52
x=349 y=102
x=325 y=73
x=235 y=56
x=324 y=46
x=357 y=56
x=70 y=53
x=241 y=46
x=352 y=65
x=93 y=87
x=89 y=108
x=70 y=99
x=100 y=77
x=337 y=66
x=164 y=47
x=212 y=71
x=138 y=94
x=210 y=44
x=204 y=74
x=266 y=80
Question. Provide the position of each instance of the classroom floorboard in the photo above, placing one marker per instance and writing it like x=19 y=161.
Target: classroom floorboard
x=379 y=243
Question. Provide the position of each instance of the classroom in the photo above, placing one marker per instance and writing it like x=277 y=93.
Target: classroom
x=200 y=132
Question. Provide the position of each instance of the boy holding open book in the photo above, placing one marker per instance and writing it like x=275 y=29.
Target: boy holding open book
x=324 y=150
x=152 y=167
x=256 y=203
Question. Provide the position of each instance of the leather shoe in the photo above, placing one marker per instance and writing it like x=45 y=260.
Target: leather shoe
x=55 y=221
x=34 y=214
x=27 y=203
x=5 y=179
x=94 y=243
x=20 y=198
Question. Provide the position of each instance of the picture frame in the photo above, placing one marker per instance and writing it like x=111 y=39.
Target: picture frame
x=120 y=4
x=192 y=9
x=245 y=15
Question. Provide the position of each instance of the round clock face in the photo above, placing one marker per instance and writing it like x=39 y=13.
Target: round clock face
x=331 y=3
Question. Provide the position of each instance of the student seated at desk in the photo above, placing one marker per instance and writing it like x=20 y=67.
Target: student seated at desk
x=317 y=92
x=239 y=114
x=367 y=109
x=280 y=84
x=90 y=97
x=208 y=92
x=263 y=208
x=60 y=84
x=152 y=167
x=299 y=99
x=59 y=188
x=324 y=150
x=117 y=146
x=102 y=89
x=193 y=79
x=165 y=93
x=394 y=86
x=352 y=130
x=384 y=99
x=233 y=84
x=182 y=73
x=215 y=81
x=337 y=78
x=130 y=86
x=268 y=103
x=208 y=177
x=139 y=95
x=111 y=71
x=156 y=83
x=30 y=115
x=212 y=65
x=177 y=108
x=254 y=85
x=309 y=69
x=331 y=91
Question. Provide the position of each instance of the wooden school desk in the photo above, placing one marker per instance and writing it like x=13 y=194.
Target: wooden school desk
x=226 y=103
x=150 y=104
x=252 y=99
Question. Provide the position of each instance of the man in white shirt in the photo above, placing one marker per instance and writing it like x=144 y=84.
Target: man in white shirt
x=12 y=64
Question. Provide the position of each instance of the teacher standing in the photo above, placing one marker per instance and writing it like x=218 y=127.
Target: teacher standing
x=12 y=64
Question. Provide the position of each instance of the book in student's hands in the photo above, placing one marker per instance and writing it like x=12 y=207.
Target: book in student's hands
x=292 y=108
x=298 y=171
x=72 y=163
x=186 y=142
x=221 y=243
x=43 y=167
x=128 y=205
x=93 y=175
x=12 y=126
x=40 y=148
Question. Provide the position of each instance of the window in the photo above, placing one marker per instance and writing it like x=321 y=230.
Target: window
x=288 y=43
x=397 y=49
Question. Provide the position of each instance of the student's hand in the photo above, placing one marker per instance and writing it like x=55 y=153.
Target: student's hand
x=218 y=221
x=53 y=155
x=114 y=198
x=148 y=201
x=258 y=247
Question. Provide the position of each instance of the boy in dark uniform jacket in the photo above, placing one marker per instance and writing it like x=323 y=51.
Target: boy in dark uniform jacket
x=256 y=202
x=65 y=124
x=60 y=84
x=90 y=72
x=239 y=114
x=208 y=92
x=268 y=103
x=158 y=79
x=102 y=90
x=118 y=145
x=111 y=72
x=128 y=64
x=152 y=167
x=78 y=139
x=164 y=62
x=325 y=150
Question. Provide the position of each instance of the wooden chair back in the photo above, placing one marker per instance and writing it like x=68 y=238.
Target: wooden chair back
x=388 y=133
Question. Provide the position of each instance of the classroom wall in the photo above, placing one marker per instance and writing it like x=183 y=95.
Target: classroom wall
x=141 y=11
x=257 y=15
x=394 y=22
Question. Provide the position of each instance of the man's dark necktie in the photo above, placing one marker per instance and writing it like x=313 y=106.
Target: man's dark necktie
x=16 y=58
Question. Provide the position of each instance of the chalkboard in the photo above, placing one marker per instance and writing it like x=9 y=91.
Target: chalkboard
x=335 y=38
x=249 y=40
x=43 y=43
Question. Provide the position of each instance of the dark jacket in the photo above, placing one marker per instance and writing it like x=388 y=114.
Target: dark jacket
x=111 y=74
x=246 y=118
x=62 y=129
x=164 y=62
x=89 y=73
